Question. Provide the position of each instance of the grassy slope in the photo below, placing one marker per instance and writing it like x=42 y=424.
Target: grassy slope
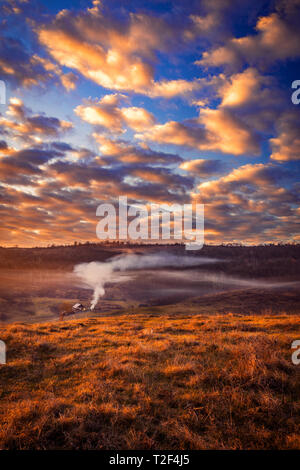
x=151 y=382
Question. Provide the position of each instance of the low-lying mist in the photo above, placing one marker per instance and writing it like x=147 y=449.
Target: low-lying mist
x=96 y=275
x=129 y=281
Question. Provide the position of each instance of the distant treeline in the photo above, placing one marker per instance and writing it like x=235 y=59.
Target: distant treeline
x=281 y=260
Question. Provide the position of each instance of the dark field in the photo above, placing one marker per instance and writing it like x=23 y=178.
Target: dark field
x=35 y=283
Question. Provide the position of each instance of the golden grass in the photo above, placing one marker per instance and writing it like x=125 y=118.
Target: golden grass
x=151 y=382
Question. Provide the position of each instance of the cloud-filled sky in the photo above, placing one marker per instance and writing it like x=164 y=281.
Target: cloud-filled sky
x=162 y=102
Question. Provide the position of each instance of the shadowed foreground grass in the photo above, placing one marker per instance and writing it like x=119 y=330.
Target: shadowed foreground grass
x=151 y=382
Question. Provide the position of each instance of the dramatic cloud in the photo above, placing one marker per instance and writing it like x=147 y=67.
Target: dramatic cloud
x=215 y=129
x=116 y=55
x=213 y=20
x=124 y=151
x=68 y=80
x=286 y=146
x=108 y=113
x=203 y=168
x=21 y=167
x=18 y=65
x=249 y=203
x=277 y=38
x=172 y=88
x=228 y=133
x=4 y=148
x=28 y=126
x=163 y=176
x=100 y=114
x=245 y=176
x=246 y=88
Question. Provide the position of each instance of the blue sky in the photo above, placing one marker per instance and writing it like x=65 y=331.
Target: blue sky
x=163 y=101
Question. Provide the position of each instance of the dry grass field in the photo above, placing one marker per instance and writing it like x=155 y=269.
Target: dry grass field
x=151 y=381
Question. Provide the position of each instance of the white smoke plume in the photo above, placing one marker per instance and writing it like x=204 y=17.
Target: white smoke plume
x=96 y=274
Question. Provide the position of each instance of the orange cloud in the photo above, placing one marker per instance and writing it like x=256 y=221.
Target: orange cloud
x=137 y=118
x=244 y=88
x=171 y=88
x=5 y=149
x=110 y=69
x=113 y=55
x=124 y=151
x=215 y=129
x=258 y=173
x=227 y=133
x=286 y=146
x=277 y=38
x=107 y=113
x=202 y=167
x=31 y=127
x=162 y=176
x=69 y=81
x=249 y=204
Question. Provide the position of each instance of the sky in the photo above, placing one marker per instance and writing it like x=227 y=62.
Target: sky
x=162 y=102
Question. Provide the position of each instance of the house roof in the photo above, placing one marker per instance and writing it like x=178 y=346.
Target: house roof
x=78 y=305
